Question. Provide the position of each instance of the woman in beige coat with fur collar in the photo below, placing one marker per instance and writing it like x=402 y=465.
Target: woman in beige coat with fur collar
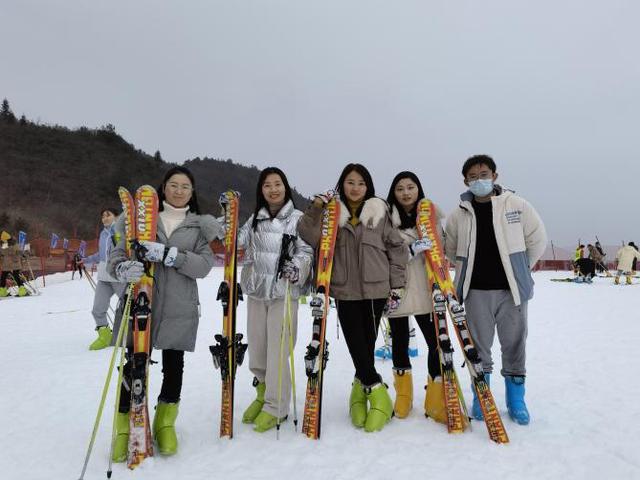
x=368 y=272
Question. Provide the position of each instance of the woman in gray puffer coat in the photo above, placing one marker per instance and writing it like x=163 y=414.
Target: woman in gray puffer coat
x=181 y=254
x=275 y=259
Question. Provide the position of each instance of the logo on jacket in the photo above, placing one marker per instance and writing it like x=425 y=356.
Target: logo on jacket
x=514 y=216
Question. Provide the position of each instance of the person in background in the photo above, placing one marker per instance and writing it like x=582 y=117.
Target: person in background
x=106 y=286
x=625 y=257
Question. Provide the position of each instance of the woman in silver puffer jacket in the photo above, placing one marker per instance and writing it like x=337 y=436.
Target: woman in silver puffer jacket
x=275 y=258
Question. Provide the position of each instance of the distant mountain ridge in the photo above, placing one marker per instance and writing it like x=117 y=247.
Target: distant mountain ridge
x=55 y=179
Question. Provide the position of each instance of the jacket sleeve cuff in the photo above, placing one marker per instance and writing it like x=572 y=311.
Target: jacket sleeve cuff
x=180 y=259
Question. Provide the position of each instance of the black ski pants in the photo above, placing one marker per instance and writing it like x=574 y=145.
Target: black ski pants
x=172 y=372
x=400 y=342
x=360 y=320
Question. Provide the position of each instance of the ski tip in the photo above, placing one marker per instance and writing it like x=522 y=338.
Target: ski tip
x=109 y=474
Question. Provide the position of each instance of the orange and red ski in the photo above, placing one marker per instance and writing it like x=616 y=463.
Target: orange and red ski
x=441 y=280
x=316 y=357
x=229 y=350
x=146 y=223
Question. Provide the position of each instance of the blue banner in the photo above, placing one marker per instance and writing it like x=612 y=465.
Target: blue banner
x=22 y=239
x=65 y=244
x=54 y=240
x=82 y=248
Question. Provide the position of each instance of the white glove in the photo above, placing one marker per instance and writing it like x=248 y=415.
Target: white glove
x=325 y=196
x=420 y=245
x=129 y=271
x=223 y=199
x=159 y=252
x=394 y=300
x=290 y=271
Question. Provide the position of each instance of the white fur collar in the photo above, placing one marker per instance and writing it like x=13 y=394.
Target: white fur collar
x=395 y=217
x=373 y=211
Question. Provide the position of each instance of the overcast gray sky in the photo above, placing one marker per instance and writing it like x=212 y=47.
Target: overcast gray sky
x=550 y=89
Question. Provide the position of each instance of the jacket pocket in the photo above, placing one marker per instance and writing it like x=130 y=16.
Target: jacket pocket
x=339 y=267
x=374 y=261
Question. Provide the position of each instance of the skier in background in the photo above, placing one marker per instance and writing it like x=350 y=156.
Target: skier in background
x=625 y=257
x=368 y=273
x=404 y=194
x=107 y=286
x=579 y=253
x=597 y=257
x=495 y=237
x=77 y=264
x=181 y=254
x=262 y=238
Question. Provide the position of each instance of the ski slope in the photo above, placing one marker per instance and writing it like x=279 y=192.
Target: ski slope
x=582 y=397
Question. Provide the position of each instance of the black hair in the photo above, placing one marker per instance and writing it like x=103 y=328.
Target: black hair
x=364 y=173
x=112 y=210
x=407 y=219
x=261 y=202
x=478 y=160
x=193 y=202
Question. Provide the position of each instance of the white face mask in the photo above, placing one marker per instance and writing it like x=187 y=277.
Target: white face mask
x=481 y=187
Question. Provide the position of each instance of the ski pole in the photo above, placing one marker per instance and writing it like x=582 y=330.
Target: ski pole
x=119 y=383
x=106 y=382
x=280 y=360
x=291 y=361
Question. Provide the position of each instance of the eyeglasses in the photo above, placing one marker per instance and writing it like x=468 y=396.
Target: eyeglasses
x=176 y=187
x=483 y=176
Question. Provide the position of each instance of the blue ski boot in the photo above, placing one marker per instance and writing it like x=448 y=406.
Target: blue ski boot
x=476 y=411
x=515 y=399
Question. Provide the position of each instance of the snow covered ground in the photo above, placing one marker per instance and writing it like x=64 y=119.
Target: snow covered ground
x=582 y=395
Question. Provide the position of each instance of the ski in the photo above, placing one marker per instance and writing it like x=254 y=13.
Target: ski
x=145 y=227
x=426 y=225
x=229 y=350
x=453 y=398
x=316 y=356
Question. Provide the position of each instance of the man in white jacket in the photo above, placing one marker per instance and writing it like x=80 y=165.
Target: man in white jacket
x=625 y=257
x=495 y=238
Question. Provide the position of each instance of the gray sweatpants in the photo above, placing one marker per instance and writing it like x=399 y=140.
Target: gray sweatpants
x=491 y=310
x=264 y=328
x=102 y=298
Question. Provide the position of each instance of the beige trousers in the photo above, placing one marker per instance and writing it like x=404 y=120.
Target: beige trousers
x=264 y=329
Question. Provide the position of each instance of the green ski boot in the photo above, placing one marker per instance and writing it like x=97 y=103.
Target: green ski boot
x=4 y=292
x=103 y=340
x=265 y=421
x=121 y=443
x=252 y=411
x=22 y=291
x=357 y=404
x=381 y=407
x=164 y=431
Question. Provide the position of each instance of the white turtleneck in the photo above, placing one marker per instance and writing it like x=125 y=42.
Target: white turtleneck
x=172 y=217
